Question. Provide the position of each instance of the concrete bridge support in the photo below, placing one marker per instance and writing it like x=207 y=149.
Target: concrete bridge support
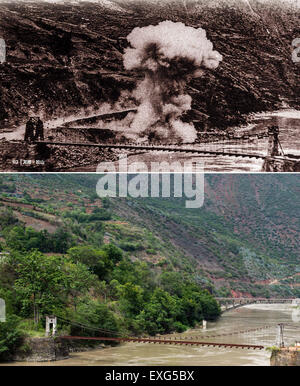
x=51 y=321
x=279 y=337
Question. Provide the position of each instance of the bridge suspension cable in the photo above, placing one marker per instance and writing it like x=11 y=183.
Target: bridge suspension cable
x=253 y=335
x=235 y=332
x=91 y=328
x=165 y=340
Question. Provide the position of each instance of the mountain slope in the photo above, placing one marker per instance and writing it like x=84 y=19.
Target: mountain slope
x=244 y=239
x=74 y=63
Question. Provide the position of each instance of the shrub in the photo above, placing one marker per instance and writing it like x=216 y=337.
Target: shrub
x=10 y=337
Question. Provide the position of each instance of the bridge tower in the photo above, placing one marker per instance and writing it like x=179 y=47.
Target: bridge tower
x=274 y=146
x=279 y=338
x=51 y=321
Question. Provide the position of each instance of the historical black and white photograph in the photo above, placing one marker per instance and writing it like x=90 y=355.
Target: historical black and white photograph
x=84 y=83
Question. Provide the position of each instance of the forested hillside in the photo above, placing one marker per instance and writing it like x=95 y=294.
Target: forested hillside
x=141 y=265
x=245 y=234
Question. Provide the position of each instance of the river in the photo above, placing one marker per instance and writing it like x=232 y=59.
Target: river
x=244 y=318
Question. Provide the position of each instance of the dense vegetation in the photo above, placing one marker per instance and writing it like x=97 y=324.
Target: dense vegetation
x=91 y=284
x=145 y=265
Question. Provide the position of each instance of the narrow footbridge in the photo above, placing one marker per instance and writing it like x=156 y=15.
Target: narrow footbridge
x=166 y=341
x=165 y=148
x=228 y=144
x=243 y=145
x=254 y=338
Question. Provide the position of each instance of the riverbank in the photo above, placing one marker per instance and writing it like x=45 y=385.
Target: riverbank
x=37 y=349
x=287 y=356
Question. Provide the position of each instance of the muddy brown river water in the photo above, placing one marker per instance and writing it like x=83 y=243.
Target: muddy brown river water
x=248 y=317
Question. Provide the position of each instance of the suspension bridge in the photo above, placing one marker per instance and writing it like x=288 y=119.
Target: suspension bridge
x=166 y=341
x=240 y=146
x=163 y=148
x=257 y=338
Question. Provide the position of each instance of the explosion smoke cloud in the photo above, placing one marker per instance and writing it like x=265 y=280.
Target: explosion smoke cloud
x=169 y=54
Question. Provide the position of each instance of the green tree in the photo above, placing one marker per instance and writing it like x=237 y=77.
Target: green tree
x=172 y=282
x=210 y=307
x=7 y=218
x=159 y=315
x=15 y=238
x=40 y=285
x=62 y=240
x=91 y=257
x=78 y=281
x=113 y=253
x=131 y=298
x=96 y=315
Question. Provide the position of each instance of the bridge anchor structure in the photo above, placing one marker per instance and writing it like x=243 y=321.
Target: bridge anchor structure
x=51 y=321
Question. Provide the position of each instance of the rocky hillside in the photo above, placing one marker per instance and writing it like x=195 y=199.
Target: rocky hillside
x=65 y=58
x=243 y=241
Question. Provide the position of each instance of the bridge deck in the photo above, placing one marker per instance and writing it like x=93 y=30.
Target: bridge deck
x=165 y=341
x=154 y=148
x=255 y=300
